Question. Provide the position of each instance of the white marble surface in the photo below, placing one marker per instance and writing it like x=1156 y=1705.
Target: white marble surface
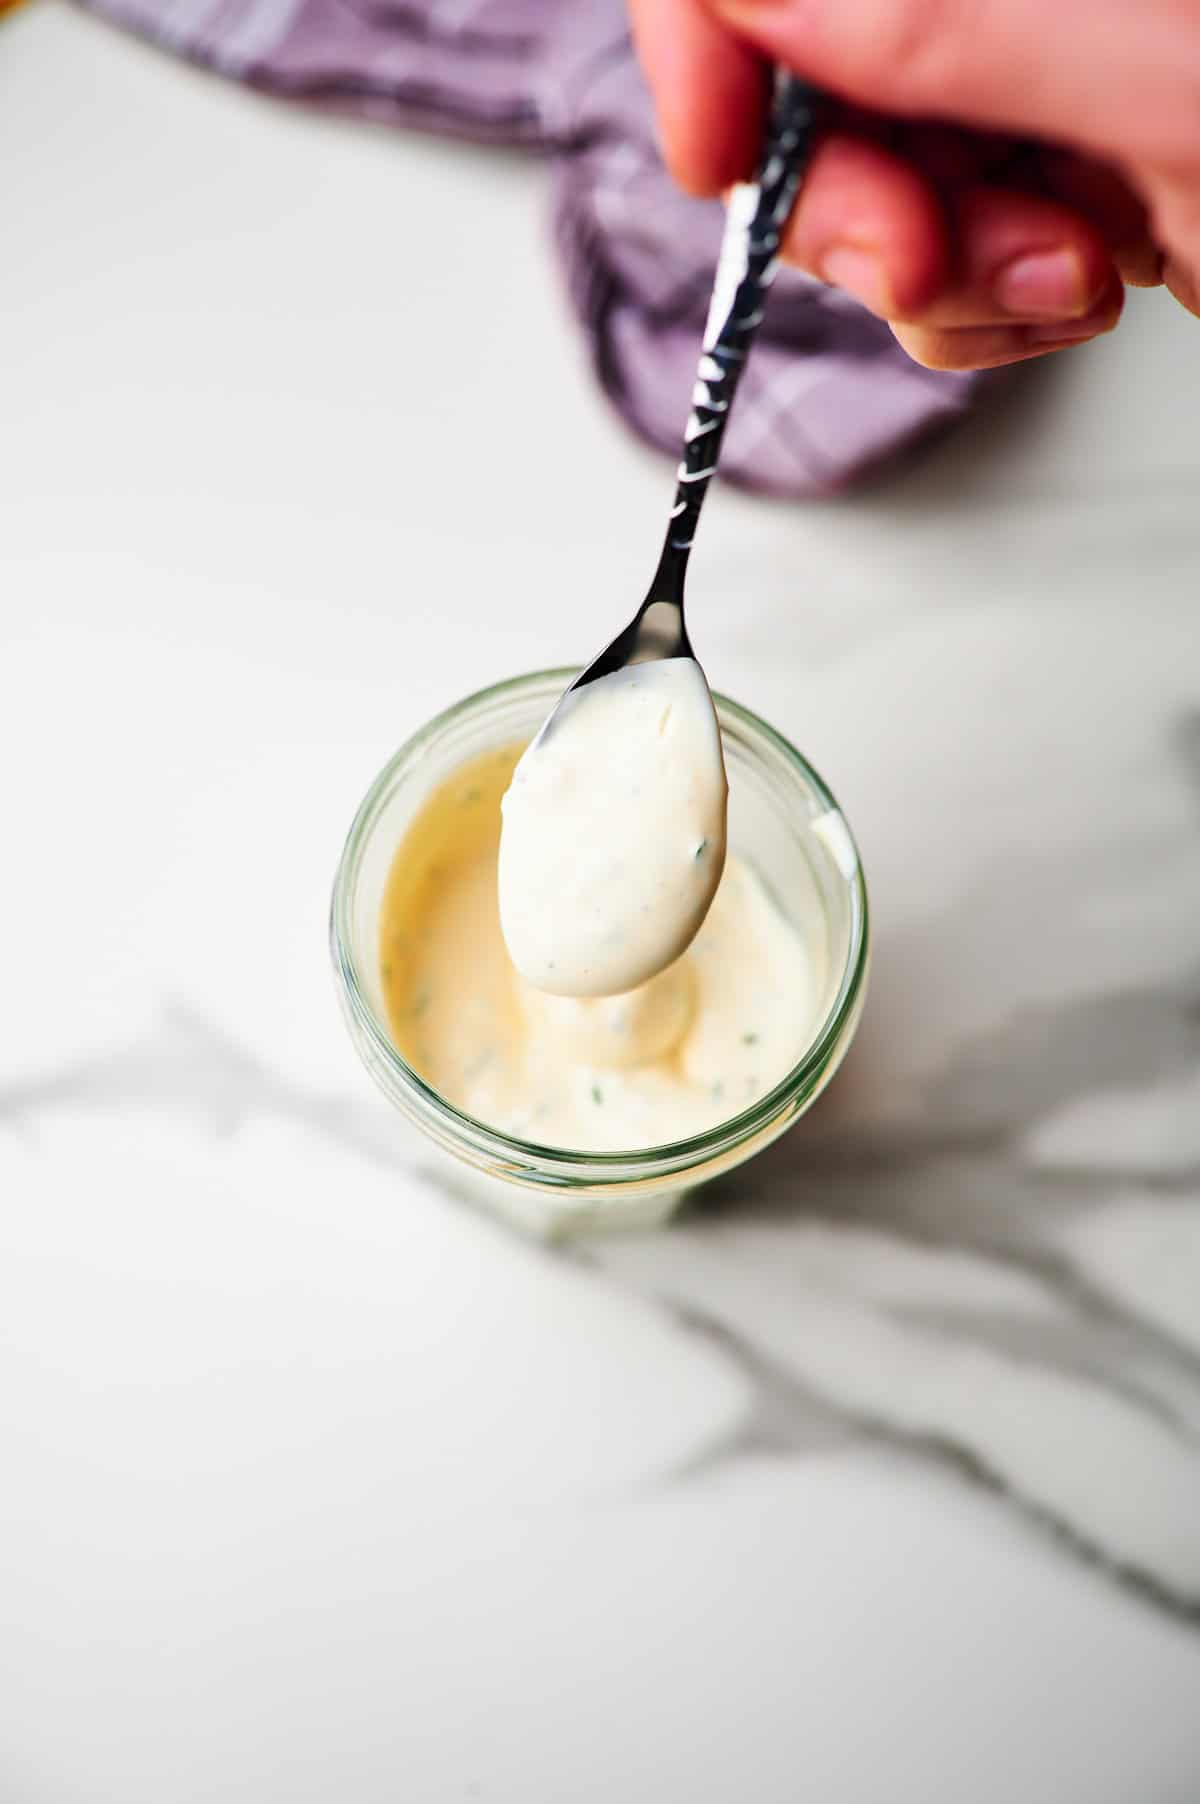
x=877 y=1481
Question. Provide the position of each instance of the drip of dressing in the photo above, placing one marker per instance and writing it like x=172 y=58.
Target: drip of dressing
x=614 y=832
x=697 y=1044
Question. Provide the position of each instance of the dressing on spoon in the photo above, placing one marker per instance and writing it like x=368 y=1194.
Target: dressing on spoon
x=614 y=832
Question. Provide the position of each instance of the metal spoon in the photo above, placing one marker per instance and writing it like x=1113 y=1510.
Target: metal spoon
x=611 y=852
x=758 y=212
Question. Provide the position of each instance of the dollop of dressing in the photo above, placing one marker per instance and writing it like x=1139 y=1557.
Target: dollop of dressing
x=698 y=1043
x=614 y=832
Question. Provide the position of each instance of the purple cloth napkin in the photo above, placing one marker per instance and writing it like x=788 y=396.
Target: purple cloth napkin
x=828 y=392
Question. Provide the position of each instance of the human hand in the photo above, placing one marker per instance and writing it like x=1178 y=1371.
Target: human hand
x=998 y=172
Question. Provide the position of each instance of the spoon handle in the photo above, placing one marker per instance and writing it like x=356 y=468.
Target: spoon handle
x=758 y=213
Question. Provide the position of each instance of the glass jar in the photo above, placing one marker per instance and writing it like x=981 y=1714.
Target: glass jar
x=782 y=820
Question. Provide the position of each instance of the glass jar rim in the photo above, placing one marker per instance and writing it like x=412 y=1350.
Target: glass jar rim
x=609 y=1167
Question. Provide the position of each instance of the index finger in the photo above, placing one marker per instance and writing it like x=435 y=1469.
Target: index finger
x=709 y=89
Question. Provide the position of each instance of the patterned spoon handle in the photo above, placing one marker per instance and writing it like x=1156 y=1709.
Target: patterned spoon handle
x=758 y=214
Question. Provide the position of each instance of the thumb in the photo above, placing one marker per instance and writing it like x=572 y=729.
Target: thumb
x=1080 y=70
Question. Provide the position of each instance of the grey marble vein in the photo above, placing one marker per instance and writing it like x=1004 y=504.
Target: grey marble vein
x=188 y=1064
x=954 y=1284
x=789 y=1415
x=969 y=1204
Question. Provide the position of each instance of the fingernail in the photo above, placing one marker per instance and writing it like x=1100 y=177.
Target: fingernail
x=1043 y=284
x=860 y=273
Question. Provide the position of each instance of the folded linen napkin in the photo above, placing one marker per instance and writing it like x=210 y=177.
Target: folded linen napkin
x=828 y=392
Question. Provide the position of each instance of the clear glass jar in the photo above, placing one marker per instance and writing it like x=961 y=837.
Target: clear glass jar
x=782 y=820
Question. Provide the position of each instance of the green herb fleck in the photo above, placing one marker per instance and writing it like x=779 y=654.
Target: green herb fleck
x=749 y=1039
x=420 y=1004
x=701 y=849
x=597 y=1094
x=472 y=795
x=386 y=973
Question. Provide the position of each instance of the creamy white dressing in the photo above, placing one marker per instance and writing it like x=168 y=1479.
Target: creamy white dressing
x=614 y=832
x=697 y=1044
